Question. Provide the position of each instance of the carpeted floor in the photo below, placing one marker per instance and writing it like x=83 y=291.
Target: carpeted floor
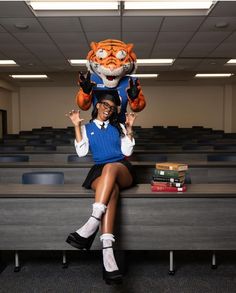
x=146 y=272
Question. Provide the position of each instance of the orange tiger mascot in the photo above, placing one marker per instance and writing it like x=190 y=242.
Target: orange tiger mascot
x=110 y=63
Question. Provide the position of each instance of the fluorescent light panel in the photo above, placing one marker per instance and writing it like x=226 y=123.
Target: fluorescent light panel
x=147 y=62
x=29 y=76
x=150 y=62
x=73 y=5
x=213 y=74
x=145 y=75
x=7 y=62
x=231 y=61
x=168 y=5
x=75 y=62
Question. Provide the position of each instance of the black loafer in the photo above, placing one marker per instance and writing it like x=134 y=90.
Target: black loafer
x=77 y=241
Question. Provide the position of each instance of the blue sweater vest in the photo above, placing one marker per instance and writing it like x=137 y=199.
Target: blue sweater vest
x=104 y=144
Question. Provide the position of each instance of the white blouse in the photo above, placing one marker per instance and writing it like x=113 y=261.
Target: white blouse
x=82 y=147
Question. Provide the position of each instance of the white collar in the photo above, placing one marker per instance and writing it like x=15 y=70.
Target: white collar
x=99 y=123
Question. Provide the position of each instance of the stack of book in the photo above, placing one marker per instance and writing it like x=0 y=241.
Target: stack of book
x=169 y=177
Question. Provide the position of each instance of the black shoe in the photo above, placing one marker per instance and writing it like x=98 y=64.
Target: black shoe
x=77 y=241
x=112 y=278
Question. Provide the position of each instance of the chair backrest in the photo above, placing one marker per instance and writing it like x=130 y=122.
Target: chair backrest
x=43 y=178
x=187 y=178
x=77 y=159
x=147 y=157
x=45 y=147
x=11 y=148
x=222 y=158
x=13 y=158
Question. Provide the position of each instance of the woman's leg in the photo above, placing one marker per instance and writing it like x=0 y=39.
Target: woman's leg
x=112 y=173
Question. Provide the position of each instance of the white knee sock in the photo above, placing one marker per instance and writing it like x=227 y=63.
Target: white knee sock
x=93 y=222
x=108 y=254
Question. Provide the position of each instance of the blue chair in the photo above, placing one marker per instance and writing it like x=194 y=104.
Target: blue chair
x=221 y=158
x=42 y=178
x=13 y=158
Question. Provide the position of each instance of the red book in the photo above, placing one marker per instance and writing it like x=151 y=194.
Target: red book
x=157 y=188
x=169 y=184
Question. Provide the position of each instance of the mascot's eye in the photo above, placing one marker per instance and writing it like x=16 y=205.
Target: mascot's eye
x=121 y=54
x=101 y=54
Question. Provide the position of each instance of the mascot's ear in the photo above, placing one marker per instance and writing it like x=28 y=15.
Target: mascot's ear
x=94 y=46
x=130 y=51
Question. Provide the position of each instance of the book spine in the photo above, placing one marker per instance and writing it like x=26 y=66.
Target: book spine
x=168 y=189
x=167 y=179
x=175 y=168
x=168 y=173
x=170 y=184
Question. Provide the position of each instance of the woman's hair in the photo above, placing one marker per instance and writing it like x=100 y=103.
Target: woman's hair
x=114 y=119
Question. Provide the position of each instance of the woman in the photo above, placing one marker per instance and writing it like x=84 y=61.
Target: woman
x=109 y=142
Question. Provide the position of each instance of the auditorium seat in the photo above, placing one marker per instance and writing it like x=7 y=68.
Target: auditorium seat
x=77 y=159
x=13 y=158
x=11 y=148
x=222 y=158
x=147 y=157
x=43 y=178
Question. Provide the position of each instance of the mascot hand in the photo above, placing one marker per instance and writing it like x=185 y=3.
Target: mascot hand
x=133 y=90
x=86 y=83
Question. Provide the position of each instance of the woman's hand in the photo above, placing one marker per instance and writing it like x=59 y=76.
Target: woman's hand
x=130 y=117
x=75 y=117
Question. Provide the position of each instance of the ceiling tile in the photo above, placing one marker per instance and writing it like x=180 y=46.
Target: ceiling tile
x=141 y=23
x=137 y=37
x=100 y=36
x=72 y=38
x=167 y=50
x=172 y=37
x=60 y=24
x=2 y=30
x=6 y=39
x=32 y=38
x=225 y=50
x=210 y=22
x=224 y=8
x=209 y=37
x=44 y=50
x=9 y=25
x=101 y=23
x=72 y=51
x=198 y=49
x=188 y=63
x=181 y=23
x=231 y=38
x=14 y=9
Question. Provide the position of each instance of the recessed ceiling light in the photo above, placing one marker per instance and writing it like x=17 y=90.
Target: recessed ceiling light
x=157 y=5
x=231 y=62
x=8 y=63
x=145 y=75
x=21 y=26
x=76 y=5
x=29 y=76
x=221 y=24
x=213 y=74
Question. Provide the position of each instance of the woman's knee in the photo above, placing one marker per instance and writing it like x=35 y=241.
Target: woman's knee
x=109 y=168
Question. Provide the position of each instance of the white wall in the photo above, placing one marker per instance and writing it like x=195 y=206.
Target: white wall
x=166 y=105
x=6 y=104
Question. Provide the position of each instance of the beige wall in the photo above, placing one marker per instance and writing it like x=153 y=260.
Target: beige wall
x=166 y=105
x=6 y=104
x=234 y=109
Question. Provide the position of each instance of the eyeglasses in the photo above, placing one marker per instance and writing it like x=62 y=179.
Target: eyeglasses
x=108 y=107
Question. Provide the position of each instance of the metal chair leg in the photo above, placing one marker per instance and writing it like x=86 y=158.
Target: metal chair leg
x=213 y=261
x=17 y=262
x=64 y=261
x=171 y=269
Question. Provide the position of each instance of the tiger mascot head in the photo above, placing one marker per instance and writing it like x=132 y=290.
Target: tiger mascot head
x=111 y=60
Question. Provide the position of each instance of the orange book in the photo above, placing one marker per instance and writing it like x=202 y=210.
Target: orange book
x=172 y=166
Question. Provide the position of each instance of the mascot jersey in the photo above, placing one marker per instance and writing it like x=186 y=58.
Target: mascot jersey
x=121 y=88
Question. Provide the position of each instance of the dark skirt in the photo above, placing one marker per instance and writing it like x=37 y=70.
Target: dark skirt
x=96 y=172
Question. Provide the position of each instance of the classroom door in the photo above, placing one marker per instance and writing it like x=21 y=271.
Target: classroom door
x=3 y=123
